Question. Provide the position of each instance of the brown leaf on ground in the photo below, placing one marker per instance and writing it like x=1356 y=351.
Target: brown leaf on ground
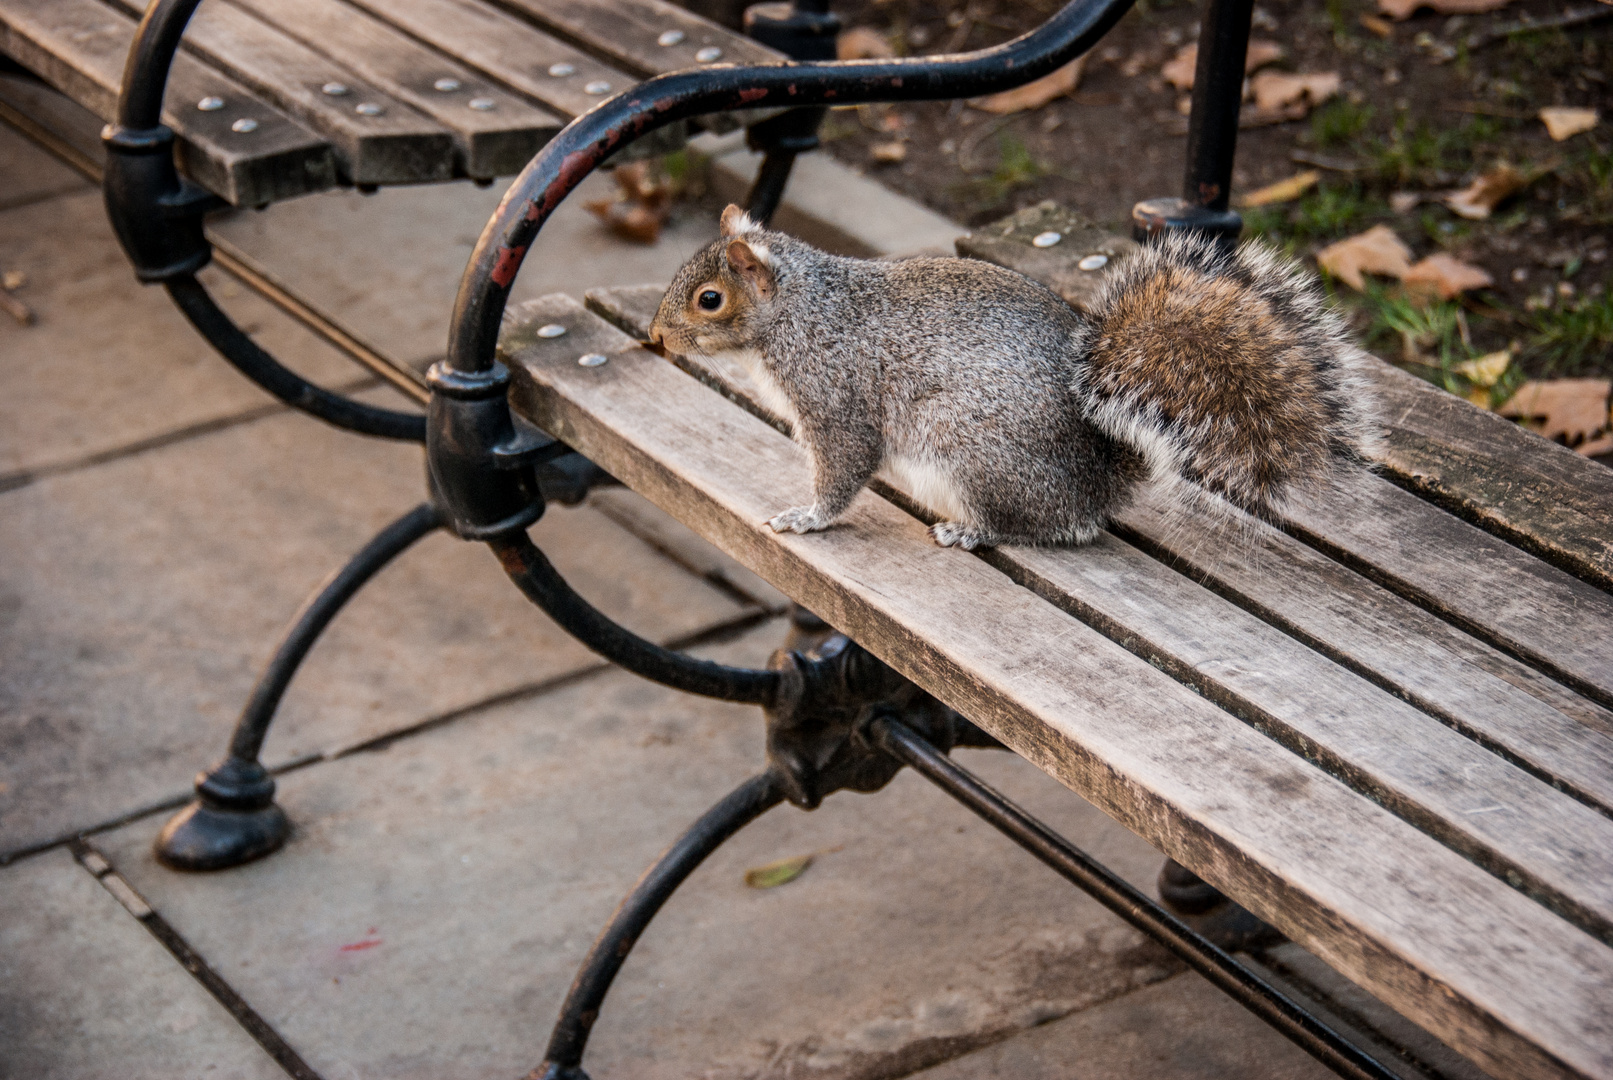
x=1380 y=27
x=1178 y=71
x=1478 y=199
x=1283 y=190
x=1034 y=95
x=1485 y=370
x=777 y=873
x=1276 y=90
x=1399 y=10
x=1573 y=412
x=642 y=204
x=862 y=43
x=1446 y=276
x=1566 y=123
x=889 y=153
x=1376 y=251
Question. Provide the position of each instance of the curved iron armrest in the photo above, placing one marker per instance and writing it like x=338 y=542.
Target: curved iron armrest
x=157 y=216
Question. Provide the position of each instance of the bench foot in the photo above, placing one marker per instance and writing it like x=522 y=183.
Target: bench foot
x=1211 y=912
x=233 y=820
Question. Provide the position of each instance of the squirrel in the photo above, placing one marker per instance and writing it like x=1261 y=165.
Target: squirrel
x=1211 y=372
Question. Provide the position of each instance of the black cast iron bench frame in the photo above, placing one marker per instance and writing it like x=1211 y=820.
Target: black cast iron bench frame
x=837 y=717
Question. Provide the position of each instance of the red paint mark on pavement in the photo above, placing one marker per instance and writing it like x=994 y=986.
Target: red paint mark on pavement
x=360 y=946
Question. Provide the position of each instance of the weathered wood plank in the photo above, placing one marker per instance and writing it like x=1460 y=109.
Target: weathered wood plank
x=80 y=46
x=507 y=49
x=647 y=37
x=1504 y=478
x=1449 y=786
x=1432 y=934
x=395 y=145
x=495 y=132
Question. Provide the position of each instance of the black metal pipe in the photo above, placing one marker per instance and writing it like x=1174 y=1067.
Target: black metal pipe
x=145 y=73
x=767 y=191
x=256 y=364
x=1212 y=133
x=592 y=137
x=541 y=583
x=744 y=805
x=316 y=614
x=1098 y=881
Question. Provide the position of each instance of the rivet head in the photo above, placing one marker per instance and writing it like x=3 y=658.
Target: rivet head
x=244 y=126
x=210 y=104
x=1047 y=239
x=1094 y=262
x=597 y=87
x=560 y=71
x=708 y=54
x=553 y=329
x=445 y=86
x=335 y=89
x=669 y=38
x=368 y=108
x=482 y=104
x=592 y=359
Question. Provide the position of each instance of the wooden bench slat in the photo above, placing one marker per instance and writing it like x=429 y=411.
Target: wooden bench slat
x=1541 y=496
x=398 y=146
x=497 y=139
x=1495 y=813
x=1482 y=692
x=80 y=46
x=1434 y=935
x=1479 y=582
x=628 y=32
x=505 y=48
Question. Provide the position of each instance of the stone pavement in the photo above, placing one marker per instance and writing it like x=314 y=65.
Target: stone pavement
x=472 y=791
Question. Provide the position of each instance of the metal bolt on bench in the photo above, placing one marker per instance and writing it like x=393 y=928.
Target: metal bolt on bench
x=836 y=716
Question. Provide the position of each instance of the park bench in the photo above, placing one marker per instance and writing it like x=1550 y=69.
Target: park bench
x=1384 y=727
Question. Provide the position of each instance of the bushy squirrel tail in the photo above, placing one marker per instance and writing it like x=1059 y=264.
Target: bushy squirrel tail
x=1228 y=372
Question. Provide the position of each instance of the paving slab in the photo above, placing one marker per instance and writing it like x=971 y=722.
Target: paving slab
x=28 y=174
x=386 y=267
x=110 y=362
x=141 y=599
x=1179 y=1029
x=87 y=993
x=429 y=912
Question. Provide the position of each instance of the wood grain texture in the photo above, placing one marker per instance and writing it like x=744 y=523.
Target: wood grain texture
x=1425 y=929
x=497 y=138
x=507 y=49
x=396 y=146
x=627 y=32
x=1506 y=479
x=80 y=46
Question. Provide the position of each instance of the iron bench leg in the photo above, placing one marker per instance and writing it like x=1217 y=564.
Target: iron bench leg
x=234 y=818
x=801 y=30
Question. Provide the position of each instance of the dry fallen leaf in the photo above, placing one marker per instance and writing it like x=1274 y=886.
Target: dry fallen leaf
x=1376 y=251
x=1178 y=71
x=1446 y=276
x=1034 y=95
x=778 y=873
x=1399 y=10
x=1273 y=90
x=889 y=153
x=1485 y=370
x=1378 y=26
x=1566 y=123
x=1484 y=194
x=1573 y=412
x=1403 y=202
x=12 y=280
x=1283 y=190
x=642 y=204
x=862 y=43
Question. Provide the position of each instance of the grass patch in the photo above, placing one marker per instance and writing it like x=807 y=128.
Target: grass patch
x=1431 y=339
x=1016 y=167
x=1418 y=152
x=1575 y=334
x=1339 y=123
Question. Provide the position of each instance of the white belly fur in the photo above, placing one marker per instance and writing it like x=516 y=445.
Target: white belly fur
x=750 y=362
x=927 y=483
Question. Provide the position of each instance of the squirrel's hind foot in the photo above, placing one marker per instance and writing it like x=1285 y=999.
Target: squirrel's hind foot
x=957 y=534
x=799 y=519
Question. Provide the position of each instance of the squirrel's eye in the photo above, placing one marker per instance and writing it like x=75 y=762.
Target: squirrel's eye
x=710 y=300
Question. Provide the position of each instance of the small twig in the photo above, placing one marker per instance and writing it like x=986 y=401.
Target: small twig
x=16 y=309
x=1322 y=161
x=1578 y=17
x=1476 y=108
x=971 y=143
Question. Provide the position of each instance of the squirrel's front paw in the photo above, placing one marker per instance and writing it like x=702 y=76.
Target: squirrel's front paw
x=799 y=519
x=957 y=534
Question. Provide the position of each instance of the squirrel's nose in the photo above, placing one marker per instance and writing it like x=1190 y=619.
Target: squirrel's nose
x=655 y=333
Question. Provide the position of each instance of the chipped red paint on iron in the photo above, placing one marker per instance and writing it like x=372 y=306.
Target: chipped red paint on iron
x=748 y=96
x=509 y=261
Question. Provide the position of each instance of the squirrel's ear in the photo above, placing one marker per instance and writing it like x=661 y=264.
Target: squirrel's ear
x=735 y=222
x=752 y=265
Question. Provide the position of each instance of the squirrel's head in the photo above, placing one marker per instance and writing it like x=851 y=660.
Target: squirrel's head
x=721 y=298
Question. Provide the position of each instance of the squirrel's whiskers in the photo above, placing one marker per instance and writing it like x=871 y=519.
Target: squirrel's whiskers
x=1218 y=378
